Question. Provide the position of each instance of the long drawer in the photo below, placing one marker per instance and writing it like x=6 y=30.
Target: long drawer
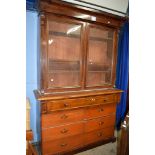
x=99 y=123
x=62 y=145
x=66 y=104
x=98 y=135
x=79 y=102
x=62 y=131
x=61 y=117
x=67 y=116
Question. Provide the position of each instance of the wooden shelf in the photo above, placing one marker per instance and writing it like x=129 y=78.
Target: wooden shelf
x=63 y=65
x=63 y=60
x=63 y=71
x=98 y=67
x=99 y=71
x=62 y=34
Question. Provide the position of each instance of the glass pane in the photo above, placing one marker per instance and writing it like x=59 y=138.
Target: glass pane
x=64 y=55
x=99 y=57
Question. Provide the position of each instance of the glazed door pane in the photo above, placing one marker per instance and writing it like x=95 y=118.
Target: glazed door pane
x=99 y=60
x=64 y=54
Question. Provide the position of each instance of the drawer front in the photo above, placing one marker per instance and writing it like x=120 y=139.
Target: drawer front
x=100 y=110
x=80 y=102
x=66 y=104
x=99 y=135
x=117 y=98
x=62 y=117
x=62 y=131
x=101 y=99
x=62 y=145
x=43 y=108
x=100 y=123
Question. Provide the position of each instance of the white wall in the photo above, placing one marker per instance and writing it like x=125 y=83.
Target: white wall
x=119 y=5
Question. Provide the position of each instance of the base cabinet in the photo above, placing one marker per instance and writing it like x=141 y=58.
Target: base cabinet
x=78 y=125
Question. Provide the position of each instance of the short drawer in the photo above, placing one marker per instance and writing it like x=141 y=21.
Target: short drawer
x=110 y=98
x=100 y=110
x=99 y=123
x=43 y=108
x=98 y=135
x=62 y=131
x=66 y=104
x=62 y=145
x=61 y=117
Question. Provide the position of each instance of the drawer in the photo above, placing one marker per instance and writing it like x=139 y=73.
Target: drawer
x=43 y=108
x=100 y=99
x=79 y=102
x=61 y=117
x=62 y=131
x=62 y=145
x=100 y=110
x=66 y=104
x=100 y=123
x=99 y=135
x=117 y=98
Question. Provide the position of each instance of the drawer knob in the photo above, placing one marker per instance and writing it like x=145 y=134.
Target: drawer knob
x=99 y=134
x=100 y=110
x=101 y=123
x=64 y=131
x=63 y=145
x=52 y=80
x=93 y=99
x=66 y=104
x=64 y=116
x=104 y=100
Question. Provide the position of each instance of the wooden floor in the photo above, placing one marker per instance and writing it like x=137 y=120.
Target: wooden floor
x=107 y=149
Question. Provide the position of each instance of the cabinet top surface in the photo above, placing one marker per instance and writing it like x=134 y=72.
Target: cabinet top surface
x=73 y=94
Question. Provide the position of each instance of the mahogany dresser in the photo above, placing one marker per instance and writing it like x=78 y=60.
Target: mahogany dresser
x=76 y=77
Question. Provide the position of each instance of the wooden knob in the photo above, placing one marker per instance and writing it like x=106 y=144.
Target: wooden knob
x=64 y=144
x=64 y=131
x=101 y=123
x=92 y=99
x=100 y=110
x=52 y=80
x=64 y=116
x=99 y=134
x=66 y=104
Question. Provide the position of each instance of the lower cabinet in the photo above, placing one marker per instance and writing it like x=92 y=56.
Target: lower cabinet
x=68 y=129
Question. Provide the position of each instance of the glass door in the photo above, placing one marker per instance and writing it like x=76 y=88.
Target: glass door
x=64 y=54
x=99 y=56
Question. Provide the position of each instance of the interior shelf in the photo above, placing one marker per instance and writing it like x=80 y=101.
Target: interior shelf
x=77 y=36
x=98 y=71
x=98 y=67
x=64 y=65
x=63 y=71
x=62 y=60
